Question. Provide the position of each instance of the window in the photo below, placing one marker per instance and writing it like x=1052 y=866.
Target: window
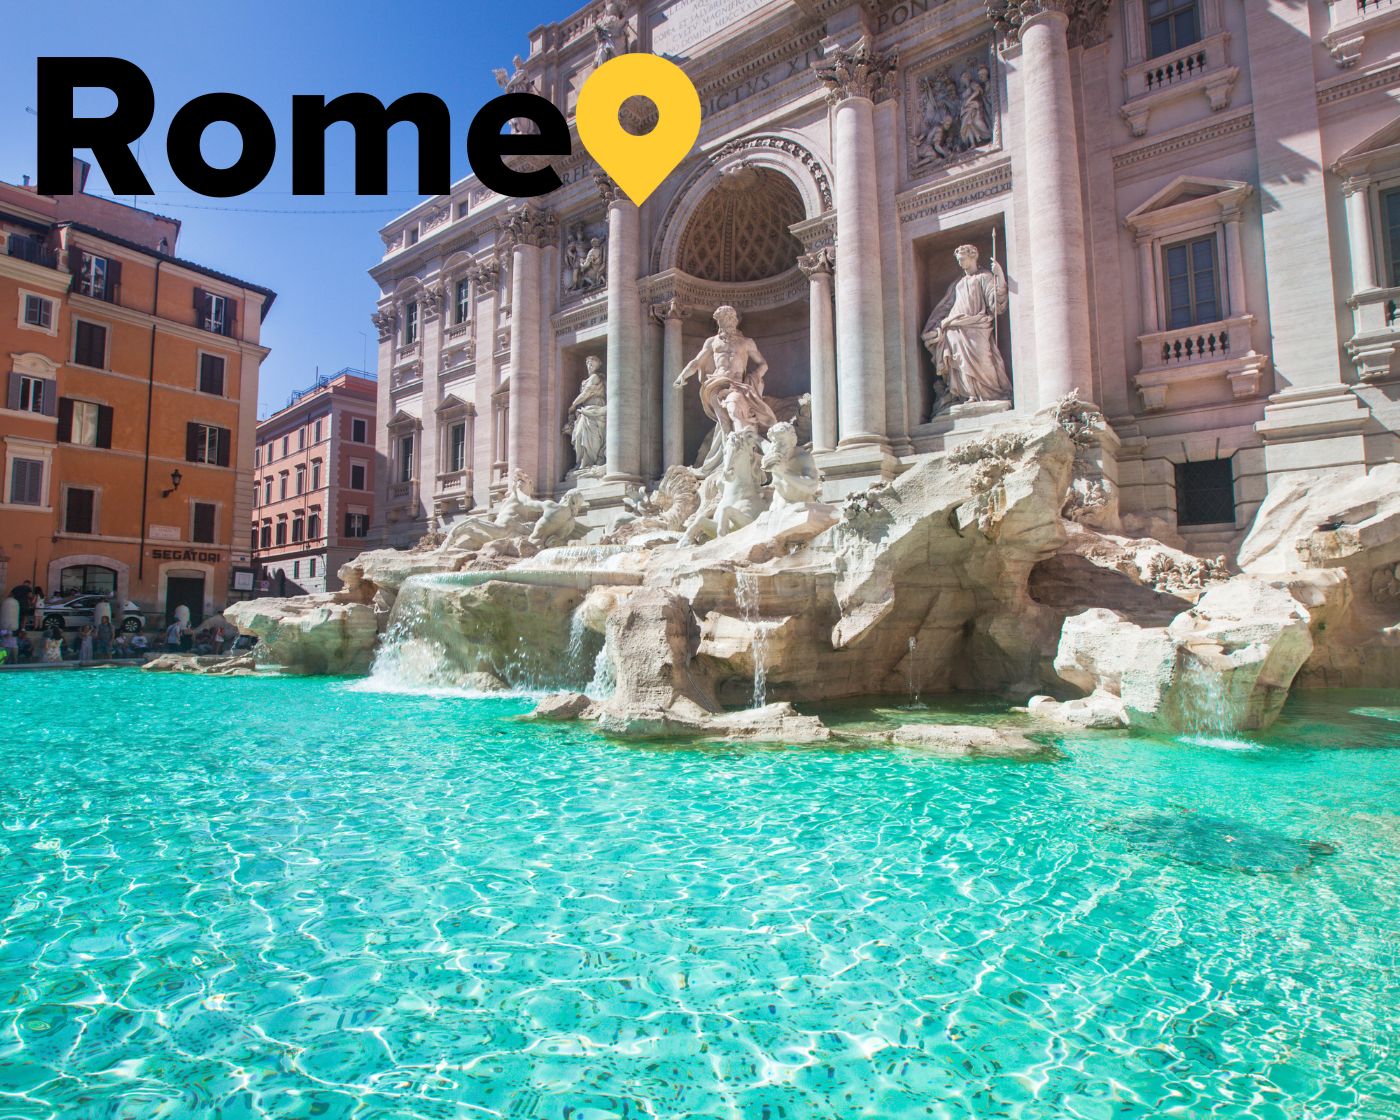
x=99 y=277
x=1205 y=492
x=357 y=524
x=359 y=430
x=27 y=482
x=1390 y=224
x=257 y=457
x=211 y=374
x=311 y=568
x=313 y=528
x=84 y=423
x=296 y=564
x=89 y=344
x=79 y=506
x=88 y=579
x=38 y=312
x=315 y=474
x=266 y=534
x=253 y=540
x=316 y=432
x=286 y=446
x=301 y=480
x=214 y=312
x=357 y=476
x=203 y=522
x=457 y=447
x=1191 y=273
x=31 y=393
x=205 y=443
x=405 y=458
x=282 y=530
x=464 y=300
x=298 y=529
x=1171 y=24
x=282 y=486
x=410 y=322
x=301 y=439
x=267 y=491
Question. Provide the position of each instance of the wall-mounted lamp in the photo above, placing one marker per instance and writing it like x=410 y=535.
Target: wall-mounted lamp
x=175 y=478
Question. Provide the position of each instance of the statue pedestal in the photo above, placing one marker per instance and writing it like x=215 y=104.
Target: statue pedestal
x=605 y=498
x=976 y=408
x=958 y=423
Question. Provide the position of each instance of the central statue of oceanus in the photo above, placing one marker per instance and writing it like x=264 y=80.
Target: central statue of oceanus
x=961 y=333
x=731 y=373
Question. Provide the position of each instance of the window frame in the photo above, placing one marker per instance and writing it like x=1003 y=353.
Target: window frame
x=363 y=468
x=80 y=321
x=203 y=356
x=31 y=383
x=30 y=457
x=1177 y=8
x=87 y=285
x=195 y=503
x=359 y=423
x=410 y=323
x=68 y=489
x=51 y=327
x=1183 y=468
x=202 y=456
x=1189 y=243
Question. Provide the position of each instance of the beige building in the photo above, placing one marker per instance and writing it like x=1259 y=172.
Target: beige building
x=1196 y=204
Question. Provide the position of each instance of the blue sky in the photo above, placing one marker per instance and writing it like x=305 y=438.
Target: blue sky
x=314 y=257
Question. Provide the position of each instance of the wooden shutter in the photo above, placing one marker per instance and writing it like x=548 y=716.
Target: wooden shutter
x=231 y=318
x=191 y=442
x=347 y=524
x=114 y=280
x=75 y=267
x=78 y=511
x=199 y=297
x=104 y=425
x=204 y=523
x=12 y=402
x=65 y=420
x=50 y=401
x=225 y=438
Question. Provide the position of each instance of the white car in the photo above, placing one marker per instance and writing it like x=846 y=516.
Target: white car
x=73 y=612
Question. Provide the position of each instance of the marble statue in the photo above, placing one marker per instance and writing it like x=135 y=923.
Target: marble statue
x=731 y=370
x=961 y=333
x=588 y=418
x=517 y=81
x=515 y=516
x=558 y=521
x=610 y=33
x=955 y=117
x=736 y=489
x=796 y=479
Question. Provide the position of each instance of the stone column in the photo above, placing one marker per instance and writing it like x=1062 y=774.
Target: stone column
x=430 y=306
x=485 y=276
x=528 y=228
x=386 y=322
x=624 y=363
x=1234 y=260
x=672 y=317
x=856 y=78
x=1057 y=244
x=822 y=343
x=1359 y=241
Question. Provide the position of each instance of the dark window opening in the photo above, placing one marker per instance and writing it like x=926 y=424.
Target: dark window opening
x=1205 y=492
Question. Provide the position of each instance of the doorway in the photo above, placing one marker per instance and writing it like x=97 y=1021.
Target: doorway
x=185 y=591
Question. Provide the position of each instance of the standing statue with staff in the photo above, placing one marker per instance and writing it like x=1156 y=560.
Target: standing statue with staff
x=961 y=332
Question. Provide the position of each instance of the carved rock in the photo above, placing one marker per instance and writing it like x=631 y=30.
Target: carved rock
x=313 y=634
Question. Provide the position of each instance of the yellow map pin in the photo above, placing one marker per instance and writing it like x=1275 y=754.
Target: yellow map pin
x=638 y=164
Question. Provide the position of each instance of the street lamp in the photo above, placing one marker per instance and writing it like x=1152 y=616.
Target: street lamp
x=175 y=478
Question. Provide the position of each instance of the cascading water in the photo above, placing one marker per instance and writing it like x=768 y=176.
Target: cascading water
x=911 y=664
x=1206 y=715
x=408 y=660
x=746 y=592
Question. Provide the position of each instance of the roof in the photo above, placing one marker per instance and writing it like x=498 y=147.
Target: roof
x=203 y=270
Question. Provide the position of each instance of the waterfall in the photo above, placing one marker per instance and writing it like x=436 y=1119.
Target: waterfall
x=604 y=677
x=746 y=592
x=1206 y=715
x=407 y=660
x=912 y=673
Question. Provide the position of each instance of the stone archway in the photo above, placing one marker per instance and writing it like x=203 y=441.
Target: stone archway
x=740 y=231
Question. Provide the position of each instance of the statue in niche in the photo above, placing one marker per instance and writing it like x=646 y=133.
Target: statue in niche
x=796 y=479
x=731 y=370
x=585 y=261
x=588 y=418
x=960 y=334
x=955 y=116
x=610 y=33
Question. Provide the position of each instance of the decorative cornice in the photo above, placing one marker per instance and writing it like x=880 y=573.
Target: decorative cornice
x=858 y=71
x=1381 y=78
x=1203 y=133
x=953 y=193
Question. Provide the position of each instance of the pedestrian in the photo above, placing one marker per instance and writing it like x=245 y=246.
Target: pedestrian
x=24 y=596
x=104 y=637
x=53 y=648
x=85 y=643
x=9 y=647
x=139 y=644
x=174 y=633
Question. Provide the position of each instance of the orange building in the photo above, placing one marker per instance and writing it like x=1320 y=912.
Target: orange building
x=313 y=500
x=130 y=409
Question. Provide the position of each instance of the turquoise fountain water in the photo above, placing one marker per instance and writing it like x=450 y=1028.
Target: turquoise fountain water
x=292 y=898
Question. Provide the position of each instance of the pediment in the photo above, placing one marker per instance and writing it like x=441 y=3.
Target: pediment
x=32 y=363
x=1184 y=196
x=1382 y=146
x=451 y=402
x=403 y=419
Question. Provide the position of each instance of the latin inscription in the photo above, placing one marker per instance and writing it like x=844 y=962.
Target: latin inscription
x=688 y=22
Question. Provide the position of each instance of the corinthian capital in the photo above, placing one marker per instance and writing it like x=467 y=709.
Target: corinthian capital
x=823 y=260
x=531 y=225
x=384 y=322
x=487 y=272
x=858 y=71
x=1087 y=18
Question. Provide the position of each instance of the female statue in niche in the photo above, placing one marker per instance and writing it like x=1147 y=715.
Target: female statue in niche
x=961 y=333
x=588 y=418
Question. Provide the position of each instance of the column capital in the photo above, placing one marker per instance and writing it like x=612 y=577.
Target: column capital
x=1087 y=18
x=1354 y=184
x=487 y=273
x=433 y=296
x=608 y=190
x=858 y=71
x=384 y=320
x=821 y=262
x=531 y=225
x=671 y=310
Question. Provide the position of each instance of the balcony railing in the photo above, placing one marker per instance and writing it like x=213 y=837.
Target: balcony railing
x=1179 y=69
x=1194 y=346
x=1351 y=21
x=30 y=249
x=1202 y=68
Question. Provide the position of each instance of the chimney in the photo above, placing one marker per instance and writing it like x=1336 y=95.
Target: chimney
x=80 y=174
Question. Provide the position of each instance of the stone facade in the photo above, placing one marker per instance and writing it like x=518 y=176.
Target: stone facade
x=1195 y=226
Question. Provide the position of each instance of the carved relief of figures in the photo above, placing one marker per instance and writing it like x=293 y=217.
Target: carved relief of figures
x=961 y=333
x=955 y=114
x=517 y=82
x=588 y=418
x=585 y=260
x=610 y=33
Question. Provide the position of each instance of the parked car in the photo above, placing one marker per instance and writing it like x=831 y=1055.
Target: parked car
x=73 y=612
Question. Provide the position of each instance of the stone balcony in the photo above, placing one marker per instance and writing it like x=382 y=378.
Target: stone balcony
x=1203 y=70
x=1350 y=21
x=407 y=378
x=1376 y=322
x=1189 y=356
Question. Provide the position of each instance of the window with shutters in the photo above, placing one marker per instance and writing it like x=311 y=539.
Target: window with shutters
x=359 y=430
x=301 y=480
x=1390 y=231
x=281 y=537
x=1205 y=492
x=89 y=344
x=298 y=529
x=357 y=524
x=313 y=526
x=203 y=518
x=211 y=374
x=266 y=535
x=296 y=564
x=1192 y=276
x=406 y=458
x=267 y=491
x=301 y=439
x=38 y=313
x=207 y=443
x=358 y=473
x=253 y=540
x=311 y=567
x=31 y=393
x=214 y=312
x=79 y=510
x=27 y=482
x=82 y=423
x=315 y=474
x=316 y=432
x=98 y=277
